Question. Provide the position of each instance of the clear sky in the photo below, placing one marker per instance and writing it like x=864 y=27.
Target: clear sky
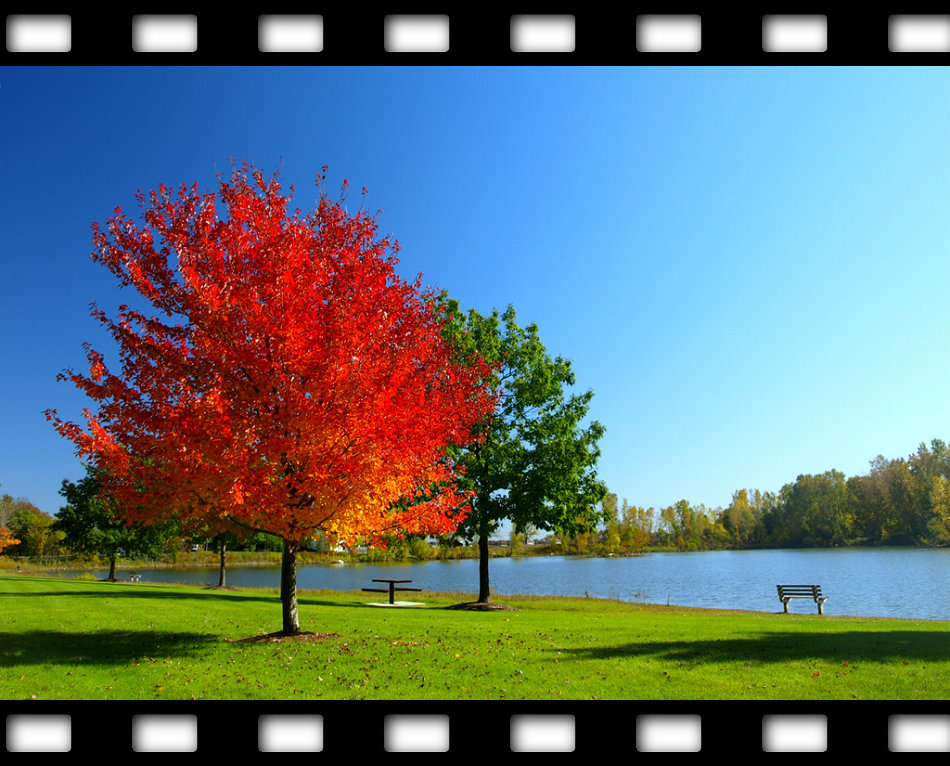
x=749 y=267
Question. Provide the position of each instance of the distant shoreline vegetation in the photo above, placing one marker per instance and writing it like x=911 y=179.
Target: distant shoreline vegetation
x=899 y=502
x=502 y=549
x=902 y=502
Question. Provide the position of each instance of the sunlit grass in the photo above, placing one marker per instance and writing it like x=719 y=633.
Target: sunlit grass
x=72 y=639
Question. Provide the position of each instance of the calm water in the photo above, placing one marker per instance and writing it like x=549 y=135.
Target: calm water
x=896 y=582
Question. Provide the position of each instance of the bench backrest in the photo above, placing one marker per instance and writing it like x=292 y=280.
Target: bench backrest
x=798 y=590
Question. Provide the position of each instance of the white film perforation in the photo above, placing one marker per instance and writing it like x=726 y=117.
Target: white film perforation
x=290 y=733
x=669 y=733
x=542 y=34
x=795 y=34
x=669 y=34
x=795 y=733
x=542 y=733
x=38 y=733
x=164 y=733
x=164 y=34
x=416 y=34
x=918 y=34
x=919 y=733
x=290 y=34
x=416 y=733
x=50 y=33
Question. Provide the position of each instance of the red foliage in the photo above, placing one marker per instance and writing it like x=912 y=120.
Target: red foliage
x=288 y=380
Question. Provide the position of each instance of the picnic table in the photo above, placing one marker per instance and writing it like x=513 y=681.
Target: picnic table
x=391 y=589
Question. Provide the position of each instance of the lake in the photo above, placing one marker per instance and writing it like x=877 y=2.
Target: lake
x=870 y=582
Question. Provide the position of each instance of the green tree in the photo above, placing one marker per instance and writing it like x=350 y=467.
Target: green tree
x=34 y=529
x=636 y=527
x=818 y=510
x=536 y=464
x=612 y=542
x=222 y=534
x=93 y=526
x=883 y=502
x=516 y=541
x=7 y=539
x=743 y=521
x=6 y=509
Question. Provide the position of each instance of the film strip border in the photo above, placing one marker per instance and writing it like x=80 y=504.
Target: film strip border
x=853 y=729
x=476 y=36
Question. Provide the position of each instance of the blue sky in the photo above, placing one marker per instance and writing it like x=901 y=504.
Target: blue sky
x=748 y=266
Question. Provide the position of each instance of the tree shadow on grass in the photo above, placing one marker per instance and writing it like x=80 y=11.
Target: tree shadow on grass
x=98 y=648
x=845 y=646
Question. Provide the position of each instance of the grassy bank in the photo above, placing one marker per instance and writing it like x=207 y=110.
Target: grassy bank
x=77 y=639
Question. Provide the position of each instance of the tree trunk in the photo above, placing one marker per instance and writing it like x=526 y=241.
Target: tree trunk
x=484 y=596
x=288 y=588
x=111 y=577
x=221 y=576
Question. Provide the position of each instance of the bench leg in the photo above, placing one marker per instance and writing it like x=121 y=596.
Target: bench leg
x=821 y=607
x=785 y=604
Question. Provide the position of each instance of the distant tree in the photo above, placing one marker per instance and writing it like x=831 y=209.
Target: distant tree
x=883 y=502
x=34 y=529
x=7 y=540
x=636 y=527
x=930 y=471
x=742 y=519
x=419 y=548
x=516 y=541
x=92 y=525
x=222 y=534
x=6 y=509
x=536 y=461
x=612 y=542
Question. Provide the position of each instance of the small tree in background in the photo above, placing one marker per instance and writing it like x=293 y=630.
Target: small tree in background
x=223 y=535
x=93 y=526
x=7 y=540
x=34 y=530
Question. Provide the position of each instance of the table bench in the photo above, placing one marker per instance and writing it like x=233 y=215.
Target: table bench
x=786 y=592
x=391 y=590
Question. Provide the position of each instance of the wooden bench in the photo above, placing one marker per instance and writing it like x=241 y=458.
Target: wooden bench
x=786 y=592
x=391 y=590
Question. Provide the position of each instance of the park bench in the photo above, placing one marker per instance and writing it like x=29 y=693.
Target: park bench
x=134 y=576
x=391 y=590
x=786 y=592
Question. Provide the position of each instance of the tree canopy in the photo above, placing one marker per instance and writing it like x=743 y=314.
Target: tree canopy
x=535 y=463
x=282 y=377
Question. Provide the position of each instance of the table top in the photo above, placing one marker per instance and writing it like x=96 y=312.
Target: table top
x=383 y=579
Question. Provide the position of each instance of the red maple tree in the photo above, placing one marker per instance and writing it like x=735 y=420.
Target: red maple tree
x=283 y=377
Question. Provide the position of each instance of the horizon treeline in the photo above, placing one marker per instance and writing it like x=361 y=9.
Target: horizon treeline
x=900 y=501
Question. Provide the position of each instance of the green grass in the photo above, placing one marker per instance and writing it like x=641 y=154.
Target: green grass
x=82 y=639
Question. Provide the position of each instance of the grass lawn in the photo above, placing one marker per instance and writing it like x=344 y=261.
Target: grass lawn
x=67 y=639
